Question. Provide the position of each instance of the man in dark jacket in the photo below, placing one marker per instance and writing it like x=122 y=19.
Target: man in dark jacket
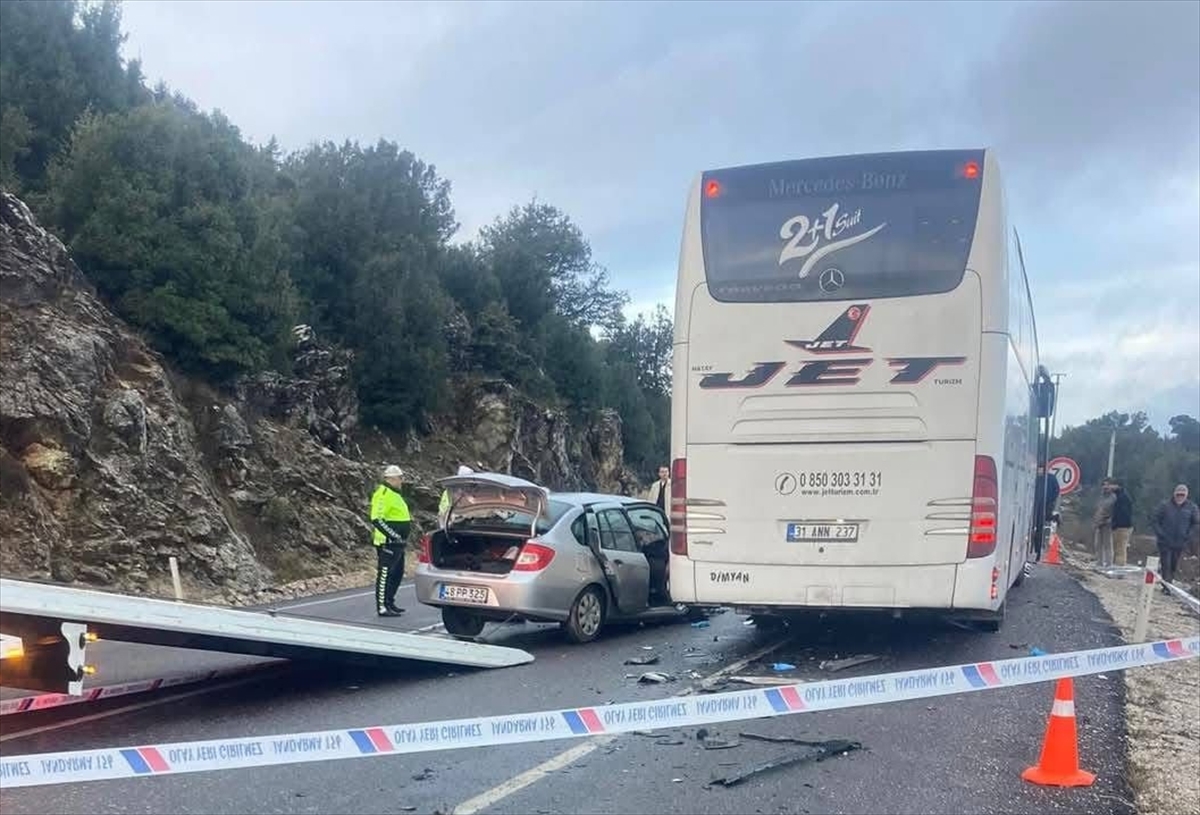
x=1044 y=499
x=1174 y=522
x=1122 y=522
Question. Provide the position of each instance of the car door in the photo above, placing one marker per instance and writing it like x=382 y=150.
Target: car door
x=629 y=575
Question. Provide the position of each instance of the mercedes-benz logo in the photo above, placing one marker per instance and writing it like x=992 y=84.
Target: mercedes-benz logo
x=785 y=483
x=832 y=279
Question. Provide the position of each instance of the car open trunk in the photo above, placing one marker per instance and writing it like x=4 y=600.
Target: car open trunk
x=491 y=517
x=475 y=551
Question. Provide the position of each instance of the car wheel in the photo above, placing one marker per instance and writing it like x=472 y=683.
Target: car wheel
x=586 y=617
x=461 y=623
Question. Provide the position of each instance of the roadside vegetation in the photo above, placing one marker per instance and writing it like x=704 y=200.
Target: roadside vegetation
x=215 y=248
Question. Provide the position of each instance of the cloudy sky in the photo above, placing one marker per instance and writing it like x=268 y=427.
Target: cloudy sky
x=609 y=110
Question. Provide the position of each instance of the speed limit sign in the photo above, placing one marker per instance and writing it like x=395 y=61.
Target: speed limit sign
x=1065 y=472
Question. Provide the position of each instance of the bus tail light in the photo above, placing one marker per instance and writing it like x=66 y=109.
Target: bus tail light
x=970 y=170
x=981 y=540
x=712 y=188
x=679 y=544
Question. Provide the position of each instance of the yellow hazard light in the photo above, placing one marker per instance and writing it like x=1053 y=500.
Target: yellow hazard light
x=11 y=647
x=89 y=669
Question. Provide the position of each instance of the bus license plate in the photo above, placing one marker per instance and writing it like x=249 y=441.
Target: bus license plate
x=476 y=595
x=808 y=532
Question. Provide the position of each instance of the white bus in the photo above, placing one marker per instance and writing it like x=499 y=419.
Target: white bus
x=857 y=393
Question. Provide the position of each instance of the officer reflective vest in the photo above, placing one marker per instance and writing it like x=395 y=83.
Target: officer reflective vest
x=387 y=506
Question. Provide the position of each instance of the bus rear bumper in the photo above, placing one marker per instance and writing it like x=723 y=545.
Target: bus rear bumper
x=947 y=587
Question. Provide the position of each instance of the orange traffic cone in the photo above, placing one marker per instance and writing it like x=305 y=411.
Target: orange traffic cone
x=1058 y=765
x=1052 y=557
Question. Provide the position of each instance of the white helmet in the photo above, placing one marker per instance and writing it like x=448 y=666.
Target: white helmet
x=392 y=471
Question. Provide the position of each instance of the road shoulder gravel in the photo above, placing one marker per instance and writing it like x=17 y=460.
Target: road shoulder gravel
x=1162 y=704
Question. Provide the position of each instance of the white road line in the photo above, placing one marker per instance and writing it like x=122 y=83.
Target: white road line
x=568 y=757
x=323 y=601
x=530 y=777
x=92 y=717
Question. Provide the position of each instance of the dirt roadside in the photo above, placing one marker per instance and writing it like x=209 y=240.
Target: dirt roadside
x=1162 y=703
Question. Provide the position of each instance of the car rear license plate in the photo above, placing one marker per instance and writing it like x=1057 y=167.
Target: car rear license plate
x=476 y=595
x=816 y=532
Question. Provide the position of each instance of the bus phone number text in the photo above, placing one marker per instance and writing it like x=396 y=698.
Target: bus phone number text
x=840 y=478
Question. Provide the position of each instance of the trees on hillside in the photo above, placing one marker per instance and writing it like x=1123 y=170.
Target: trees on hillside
x=216 y=248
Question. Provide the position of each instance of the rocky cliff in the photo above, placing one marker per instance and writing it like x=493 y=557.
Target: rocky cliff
x=110 y=463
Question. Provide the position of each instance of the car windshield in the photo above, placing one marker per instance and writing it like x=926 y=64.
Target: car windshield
x=509 y=518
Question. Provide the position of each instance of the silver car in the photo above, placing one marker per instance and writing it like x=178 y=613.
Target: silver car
x=510 y=550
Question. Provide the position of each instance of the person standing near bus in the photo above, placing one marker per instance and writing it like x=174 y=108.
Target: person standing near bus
x=1102 y=524
x=660 y=490
x=390 y=522
x=1122 y=522
x=1044 y=503
x=1175 y=521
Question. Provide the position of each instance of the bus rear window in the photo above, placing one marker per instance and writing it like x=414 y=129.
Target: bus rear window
x=888 y=225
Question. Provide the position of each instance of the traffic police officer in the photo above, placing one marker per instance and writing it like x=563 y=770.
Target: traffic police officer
x=390 y=521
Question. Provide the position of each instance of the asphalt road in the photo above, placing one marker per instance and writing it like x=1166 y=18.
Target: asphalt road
x=950 y=754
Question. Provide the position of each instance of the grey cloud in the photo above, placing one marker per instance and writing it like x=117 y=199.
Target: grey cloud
x=609 y=109
x=1078 y=86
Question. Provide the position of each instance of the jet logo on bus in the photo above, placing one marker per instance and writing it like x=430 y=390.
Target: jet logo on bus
x=837 y=338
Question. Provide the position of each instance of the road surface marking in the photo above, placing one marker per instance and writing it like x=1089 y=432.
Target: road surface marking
x=530 y=777
x=323 y=601
x=565 y=759
x=92 y=717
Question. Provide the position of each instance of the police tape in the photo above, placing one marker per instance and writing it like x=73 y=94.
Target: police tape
x=45 y=701
x=489 y=731
x=1188 y=600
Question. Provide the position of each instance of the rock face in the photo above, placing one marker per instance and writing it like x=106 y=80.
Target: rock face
x=110 y=463
x=102 y=477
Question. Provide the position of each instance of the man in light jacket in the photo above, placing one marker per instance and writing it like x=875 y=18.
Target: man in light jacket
x=1175 y=521
x=660 y=491
x=1102 y=523
x=1122 y=522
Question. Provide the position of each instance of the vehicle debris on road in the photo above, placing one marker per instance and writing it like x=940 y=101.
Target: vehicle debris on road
x=710 y=742
x=819 y=752
x=655 y=678
x=650 y=659
x=834 y=665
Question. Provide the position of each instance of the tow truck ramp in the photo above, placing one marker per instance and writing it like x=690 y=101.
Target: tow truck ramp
x=55 y=623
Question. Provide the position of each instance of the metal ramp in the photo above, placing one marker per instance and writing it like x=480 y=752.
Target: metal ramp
x=56 y=622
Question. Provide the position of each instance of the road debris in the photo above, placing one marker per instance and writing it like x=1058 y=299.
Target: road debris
x=783 y=667
x=710 y=741
x=424 y=775
x=834 y=665
x=819 y=752
x=784 y=739
x=649 y=659
x=772 y=681
x=700 y=624
x=654 y=678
